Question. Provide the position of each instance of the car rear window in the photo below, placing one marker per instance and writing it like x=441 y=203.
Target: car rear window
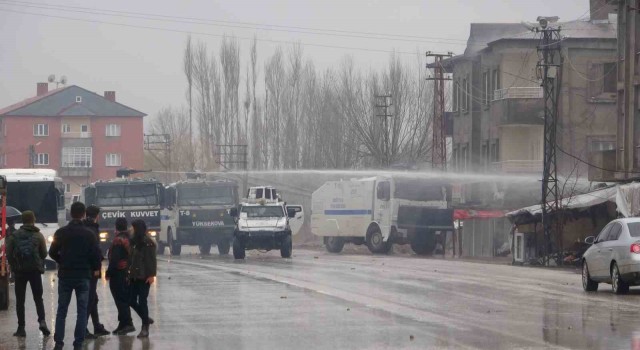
x=634 y=229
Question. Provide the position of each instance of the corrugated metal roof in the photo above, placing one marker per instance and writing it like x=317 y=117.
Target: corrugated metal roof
x=62 y=102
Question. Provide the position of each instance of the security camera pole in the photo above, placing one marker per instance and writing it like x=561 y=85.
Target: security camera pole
x=550 y=72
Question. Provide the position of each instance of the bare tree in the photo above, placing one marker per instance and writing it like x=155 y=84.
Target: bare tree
x=188 y=72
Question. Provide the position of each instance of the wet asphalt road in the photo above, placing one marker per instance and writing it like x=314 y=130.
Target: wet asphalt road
x=322 y=301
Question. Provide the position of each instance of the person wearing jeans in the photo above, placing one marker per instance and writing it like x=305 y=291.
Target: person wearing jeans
x=142 y=273
x=66 y=286
x=75 y=250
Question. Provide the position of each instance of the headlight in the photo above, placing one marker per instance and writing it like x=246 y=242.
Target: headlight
x=153 y=234
x=50 y=239
x=103 y=236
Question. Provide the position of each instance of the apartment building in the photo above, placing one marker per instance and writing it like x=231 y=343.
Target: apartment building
x=83 y=135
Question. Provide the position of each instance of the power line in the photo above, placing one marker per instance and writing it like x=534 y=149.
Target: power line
x=210 y=34
x=232 y=24
x=586 y=77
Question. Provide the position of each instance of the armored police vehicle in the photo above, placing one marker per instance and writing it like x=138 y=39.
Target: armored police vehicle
x=125 y=197
x=265 y=223
x=197 y=213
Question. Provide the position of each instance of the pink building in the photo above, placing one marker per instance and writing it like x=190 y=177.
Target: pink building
x=84 y=136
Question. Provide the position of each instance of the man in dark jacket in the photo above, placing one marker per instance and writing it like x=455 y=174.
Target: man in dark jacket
x=91 y=222
x=74 y=249
x=26 y=251
x=117 y=274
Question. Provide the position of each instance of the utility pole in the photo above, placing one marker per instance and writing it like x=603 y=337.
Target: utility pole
x=627 y=158
x=384 y=123
x=549 y=69
x=32 y=156
x=438 y=127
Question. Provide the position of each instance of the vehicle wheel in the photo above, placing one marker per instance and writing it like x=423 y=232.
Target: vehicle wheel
x=376 y=242
x=423 y=243
x=205 y=249
x=224 y=247
x=334 y=244
x=161 y=247
x=175 y=246
x=238 y=249
x=588 y=284
x=617 y=284
x=287 y=247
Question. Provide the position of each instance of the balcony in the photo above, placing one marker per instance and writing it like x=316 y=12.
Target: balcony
x=77 y=135
x=517 y=105
x=518 y=166
x=518 y=92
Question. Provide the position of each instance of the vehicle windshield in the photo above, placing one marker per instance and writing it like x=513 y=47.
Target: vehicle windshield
x=133 y=194
x=204 y=194
x=419 y=190
x=634 y=229
x=43 y=198
x=263 y=211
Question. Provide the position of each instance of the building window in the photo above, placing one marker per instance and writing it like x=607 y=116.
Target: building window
x=41 y=159
x=84 y=128
x=66 y=128
x=67 y=188
x=456 y=86
x=465 y=95
x=78 y=99
x=610 y=80
x=485 y=155
x=600 y=145
x=76 y=157
x=113 y=130
x=41 y=130
x=114 y=159
x=3 y=160
x=485 y=88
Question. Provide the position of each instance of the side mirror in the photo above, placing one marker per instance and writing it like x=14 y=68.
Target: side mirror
x=590 y=240
x=233 y=212
x=291 y=212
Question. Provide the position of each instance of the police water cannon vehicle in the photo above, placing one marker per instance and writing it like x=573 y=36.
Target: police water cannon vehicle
x=265 y=222
x=197 y=213
x=125 y=197
x=380 y=211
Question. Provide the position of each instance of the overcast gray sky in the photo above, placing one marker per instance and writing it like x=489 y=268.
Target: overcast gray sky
x=144 y=66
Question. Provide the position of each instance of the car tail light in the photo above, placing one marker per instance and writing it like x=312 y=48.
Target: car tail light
x=635 y=248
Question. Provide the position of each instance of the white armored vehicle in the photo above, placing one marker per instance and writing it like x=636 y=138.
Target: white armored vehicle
x=379 y=211
x=263 y=221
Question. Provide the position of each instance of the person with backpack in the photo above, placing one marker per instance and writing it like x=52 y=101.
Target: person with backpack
x=91 y=222
x=118 y=276
x=26 y=250
x=74 y=249
x=142 y=273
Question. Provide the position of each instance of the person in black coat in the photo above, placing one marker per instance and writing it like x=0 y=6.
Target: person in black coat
x=118 y=276
x=74 y=249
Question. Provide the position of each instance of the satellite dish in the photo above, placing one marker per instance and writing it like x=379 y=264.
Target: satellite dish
x=63 y=80
x=51 y=78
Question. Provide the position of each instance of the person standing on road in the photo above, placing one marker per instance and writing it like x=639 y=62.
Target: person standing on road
x=142 y=273
x=74 y=249
x=26 y=250
x=117 y=274
x=91 y=222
